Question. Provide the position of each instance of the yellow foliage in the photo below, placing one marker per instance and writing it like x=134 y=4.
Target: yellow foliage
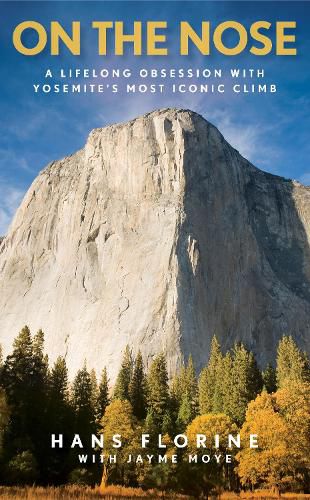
x=294 y=404
x=281 y=421
x=118 y=419
x=210 y=425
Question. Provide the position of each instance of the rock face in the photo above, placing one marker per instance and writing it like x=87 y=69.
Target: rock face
x=157 y=234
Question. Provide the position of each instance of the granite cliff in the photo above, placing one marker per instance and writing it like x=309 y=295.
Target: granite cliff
x=157 y=234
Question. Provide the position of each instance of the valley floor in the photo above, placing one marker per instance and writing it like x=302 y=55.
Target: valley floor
x=112 y=492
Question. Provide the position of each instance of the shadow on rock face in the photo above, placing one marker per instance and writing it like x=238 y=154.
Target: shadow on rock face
x=252 y=279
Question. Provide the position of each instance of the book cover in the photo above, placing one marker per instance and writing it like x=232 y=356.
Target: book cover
x=154 y=249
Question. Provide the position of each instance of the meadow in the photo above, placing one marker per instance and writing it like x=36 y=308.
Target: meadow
x=112 y=492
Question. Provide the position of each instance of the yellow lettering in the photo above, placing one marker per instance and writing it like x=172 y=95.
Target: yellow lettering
x=282 y=38
x=218 y=33
x=187 y=33
x=121 y=38
x=17 y=35
x=263 y=39
x=153 y=38
x=58 y=33
x=102 y=35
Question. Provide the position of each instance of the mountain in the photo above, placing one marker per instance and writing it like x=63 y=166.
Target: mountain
x=157 y=234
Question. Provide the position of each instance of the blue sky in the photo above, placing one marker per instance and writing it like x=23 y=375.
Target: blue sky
x=270 y=130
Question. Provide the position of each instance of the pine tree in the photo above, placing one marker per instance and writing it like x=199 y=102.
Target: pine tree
x=16 y=378
x=149 y=424
x=191 y=387
x=16 y=374
x=38 y=344
x=60 y=418
x=59 y=394
x=103 y=399
x=25 y=380
x=226 y=381
x=177 y=390
x=94 y=384
x=175 y=397
x=167 y=424
x=181 y=384
x=38 y=399
x=40 y=371
x=184 y=395
x=243 y=382
x=137 y=389
x=121 y=389
x=82 y=403
x=184 y=413
x=210 y=382
x=158 y=390
x=292 y=363
x=205 y=392
x=269 y=379
x=4 y=417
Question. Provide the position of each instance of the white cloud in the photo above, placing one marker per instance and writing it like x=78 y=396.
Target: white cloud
x=10 y=198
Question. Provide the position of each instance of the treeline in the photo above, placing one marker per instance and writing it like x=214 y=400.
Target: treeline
x=230 y=395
